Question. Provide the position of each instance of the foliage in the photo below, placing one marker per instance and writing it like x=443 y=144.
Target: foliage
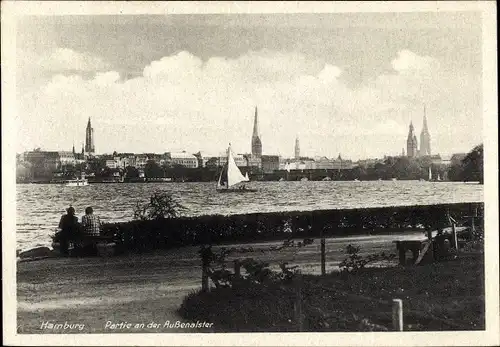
x=256 y=272
x=152 y=169
x=470 y=168
x=437 y=297
x=473 y=165
x=161 y=206
x=355 y=262
x=96 y=165
x=131 y=172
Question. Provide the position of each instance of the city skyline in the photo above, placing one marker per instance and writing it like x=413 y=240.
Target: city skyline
x=256 y=147
x=155 y=84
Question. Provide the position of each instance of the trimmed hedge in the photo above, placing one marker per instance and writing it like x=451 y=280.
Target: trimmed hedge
x=141 y=236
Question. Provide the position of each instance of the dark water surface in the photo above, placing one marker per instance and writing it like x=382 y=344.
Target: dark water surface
x=39 y=206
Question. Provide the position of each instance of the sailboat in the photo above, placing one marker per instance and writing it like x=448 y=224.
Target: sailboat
x=230 y=176
x=430 y=174
x=438 y=178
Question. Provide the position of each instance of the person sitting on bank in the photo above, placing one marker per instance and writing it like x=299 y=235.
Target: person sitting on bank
x=69 y=230
x=91 y=224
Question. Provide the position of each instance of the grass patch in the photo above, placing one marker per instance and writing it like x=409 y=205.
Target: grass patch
x=440 y=296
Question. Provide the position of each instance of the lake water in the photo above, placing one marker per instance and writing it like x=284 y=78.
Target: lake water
x=40 y=206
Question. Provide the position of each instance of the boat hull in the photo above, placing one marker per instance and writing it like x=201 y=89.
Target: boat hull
x=77 y=184
x=237 y=190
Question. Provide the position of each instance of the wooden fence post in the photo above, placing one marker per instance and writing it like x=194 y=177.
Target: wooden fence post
x=206 y=259
x=237 y=268
x=454 y=235
x=473 y=221
x=205 y=286
x=298 y=303
x=323 y=255
x=397 y=314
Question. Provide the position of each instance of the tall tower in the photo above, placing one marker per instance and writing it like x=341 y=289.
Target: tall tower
x=256 y=142
x=425 y=138
x=297 y=148
x=89 y=139
x=411 y=143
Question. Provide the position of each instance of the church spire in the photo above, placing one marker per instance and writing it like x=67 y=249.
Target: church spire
x=256 y=124
x=297 y=148
x=424 y=128
x=425 y=137
x=411 y=142
x=256 y=142
x=89 y=139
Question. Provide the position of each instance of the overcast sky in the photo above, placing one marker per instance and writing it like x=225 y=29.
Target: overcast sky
x=344 y=83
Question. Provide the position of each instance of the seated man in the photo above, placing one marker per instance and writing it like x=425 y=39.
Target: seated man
x=90 y=226
x=69 y=230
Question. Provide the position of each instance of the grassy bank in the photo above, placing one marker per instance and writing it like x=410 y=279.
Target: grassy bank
x=440 y=296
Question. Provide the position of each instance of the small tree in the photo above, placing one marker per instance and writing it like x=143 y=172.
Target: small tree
x=161 y=205
x=472 y=165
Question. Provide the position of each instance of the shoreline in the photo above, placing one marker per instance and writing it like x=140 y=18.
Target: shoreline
x=319 y=180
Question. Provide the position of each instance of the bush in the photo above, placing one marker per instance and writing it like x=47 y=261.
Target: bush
x=161 y=205
x=354 y=262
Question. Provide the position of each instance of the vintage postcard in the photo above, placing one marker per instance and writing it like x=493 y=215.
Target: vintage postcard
x=247 y=173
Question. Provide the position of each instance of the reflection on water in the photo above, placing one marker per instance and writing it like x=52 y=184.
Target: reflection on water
x=39 y=207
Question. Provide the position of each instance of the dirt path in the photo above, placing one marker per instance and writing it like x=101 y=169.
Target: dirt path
x=142 y=289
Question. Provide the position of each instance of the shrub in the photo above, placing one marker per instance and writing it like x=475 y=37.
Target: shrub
x=161 y=205
x=354 y=262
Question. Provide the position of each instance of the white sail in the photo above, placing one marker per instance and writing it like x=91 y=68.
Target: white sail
x=220 y=179
x=234 y=175
x=246 y=177
x=430 y=173
x=439 y=177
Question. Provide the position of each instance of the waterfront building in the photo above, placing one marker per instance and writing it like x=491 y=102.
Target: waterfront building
x=89 y=139
x=256 y=141
x=221 y=160
x=323 y=163
x=127 y=161
x=44 y=163
x=342 y=164
x=66 y=158
x=112 y=163
x=270 y=163
x=140 y=161
x=253 y=161
x=411 y=143
x=425 y=139
x=184 y=159
x=297 y=148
